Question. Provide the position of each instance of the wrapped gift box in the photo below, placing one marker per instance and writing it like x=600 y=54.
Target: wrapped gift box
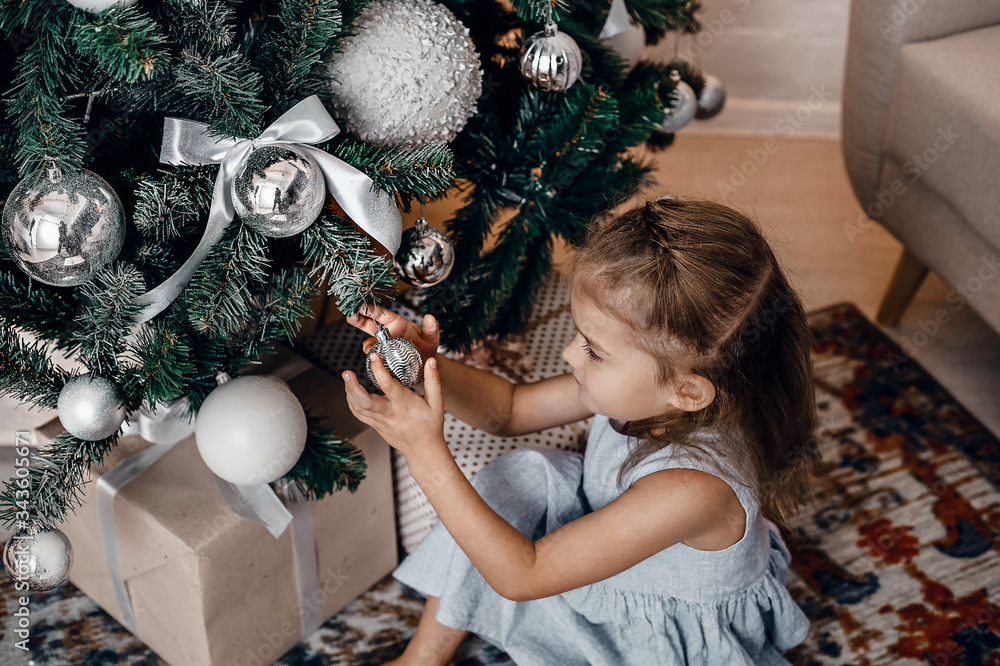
x=209 y=587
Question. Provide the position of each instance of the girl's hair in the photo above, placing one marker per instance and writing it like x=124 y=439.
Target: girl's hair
x=701 y=290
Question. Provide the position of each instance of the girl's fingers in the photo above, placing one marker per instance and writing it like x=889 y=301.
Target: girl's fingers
x=386 y=380
x=368 y=344
x=356 y=393
x=432 y=385
x=364 y=323
x=429 y=330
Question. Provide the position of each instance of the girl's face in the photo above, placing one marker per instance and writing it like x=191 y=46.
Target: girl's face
x=615 y=378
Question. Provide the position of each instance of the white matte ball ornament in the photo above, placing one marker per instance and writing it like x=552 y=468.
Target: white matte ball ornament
x=42 y=560
x=251 y=430
x=684 y=105
x=410 y=74
x=91 y=407
x=97 y=6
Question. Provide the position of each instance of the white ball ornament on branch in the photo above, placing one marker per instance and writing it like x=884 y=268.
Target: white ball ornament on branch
x=410 y=74
x=251 y=429
x=278 y=190
x=91 y=407
x=65 y=229
x=551 y=60
x=399 y=356
x=425 y=256
x=40 y=558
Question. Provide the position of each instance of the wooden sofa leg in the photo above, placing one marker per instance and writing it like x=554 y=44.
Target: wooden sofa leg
x=906 y=279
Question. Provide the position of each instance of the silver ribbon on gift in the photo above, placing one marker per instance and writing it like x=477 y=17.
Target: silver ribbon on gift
x=618 y=20
x=306 y=123
x=164 y=428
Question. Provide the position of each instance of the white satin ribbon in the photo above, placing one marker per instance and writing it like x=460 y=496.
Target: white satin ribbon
x=306 y=123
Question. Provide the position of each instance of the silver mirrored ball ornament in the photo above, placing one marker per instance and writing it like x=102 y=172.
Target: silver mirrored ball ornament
x=711 y=99
x=683 y=105
x=425 y=255
x=65 y=229
x=278 y=190
x=399 y=356
x=91 y=407
x=551 y=60
x=42 y=559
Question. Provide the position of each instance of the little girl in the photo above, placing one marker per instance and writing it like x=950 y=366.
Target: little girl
x=659 y=545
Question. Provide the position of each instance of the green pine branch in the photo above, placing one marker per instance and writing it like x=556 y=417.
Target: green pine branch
x=159 y=363
x=294 y=48
x=174 y=201
x=222 y=90
x=220 y=296
x=26 y=371
x=404 y=172
x=342 y=258
x=26 y=304
x=327 y=464
x=125 y=43
x=37 y=108
x=278 y=312
x=106 y=316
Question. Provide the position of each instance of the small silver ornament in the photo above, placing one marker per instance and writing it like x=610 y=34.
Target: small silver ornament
x=91 y=407
x=551 y=60
x=425 y=255
x=399 y=355
x=684 y=105
x=278 y=190
x=711 y=99
x=65 y=229
x=41 y=559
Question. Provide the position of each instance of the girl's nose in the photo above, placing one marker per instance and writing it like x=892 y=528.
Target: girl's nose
x=567 y=354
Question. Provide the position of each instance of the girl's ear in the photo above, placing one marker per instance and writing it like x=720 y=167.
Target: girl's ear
x=693 y=392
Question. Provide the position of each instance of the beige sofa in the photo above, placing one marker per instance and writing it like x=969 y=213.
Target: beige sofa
x=921 y=139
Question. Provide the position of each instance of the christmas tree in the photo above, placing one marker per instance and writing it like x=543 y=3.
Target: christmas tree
x=88 y=99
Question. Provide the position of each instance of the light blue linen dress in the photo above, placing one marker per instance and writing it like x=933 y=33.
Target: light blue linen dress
x=680 y=606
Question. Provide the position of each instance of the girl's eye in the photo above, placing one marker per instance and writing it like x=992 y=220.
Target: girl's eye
x=590 y=352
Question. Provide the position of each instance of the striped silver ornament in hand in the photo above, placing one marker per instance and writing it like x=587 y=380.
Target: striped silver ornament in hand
x=399 y=355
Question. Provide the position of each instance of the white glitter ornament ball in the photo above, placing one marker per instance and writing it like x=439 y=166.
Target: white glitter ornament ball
x=411 y=74
x=251 y=429
x=91 y=407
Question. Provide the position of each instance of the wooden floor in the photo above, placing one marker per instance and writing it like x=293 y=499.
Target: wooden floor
x=801 y=196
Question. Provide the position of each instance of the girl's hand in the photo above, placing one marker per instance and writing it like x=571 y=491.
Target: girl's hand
x=410 y=422
x=426 y=338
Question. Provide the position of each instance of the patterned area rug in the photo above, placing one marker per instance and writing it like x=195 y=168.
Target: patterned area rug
x=899 y=563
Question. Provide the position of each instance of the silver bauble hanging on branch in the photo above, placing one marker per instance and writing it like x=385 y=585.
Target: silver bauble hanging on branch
x=711 y=98
x=683 y=105
x=399 y=356
x=65 y=229
x=278 y=190
x=91 y=407
x=551 y=60
x=42 y=559
x=425 y=255
x=409 y=74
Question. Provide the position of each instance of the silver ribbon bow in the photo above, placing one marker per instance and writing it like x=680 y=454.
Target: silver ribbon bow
x=166 y=427
x=618 y=20
x=306 y=123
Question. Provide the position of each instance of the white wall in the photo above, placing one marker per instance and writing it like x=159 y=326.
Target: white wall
x=775 y=57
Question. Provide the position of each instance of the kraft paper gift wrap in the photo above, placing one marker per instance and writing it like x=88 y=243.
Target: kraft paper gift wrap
x=210 y=587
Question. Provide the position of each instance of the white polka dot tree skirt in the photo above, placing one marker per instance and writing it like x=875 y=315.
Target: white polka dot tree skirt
x=534 y=355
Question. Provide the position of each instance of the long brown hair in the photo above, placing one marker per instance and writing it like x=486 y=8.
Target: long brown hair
x=700 y=288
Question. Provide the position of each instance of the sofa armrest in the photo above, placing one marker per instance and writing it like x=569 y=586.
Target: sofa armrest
x=877 y=31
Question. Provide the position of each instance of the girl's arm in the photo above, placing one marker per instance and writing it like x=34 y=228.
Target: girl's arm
x=482 y=399
x=659 y=510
